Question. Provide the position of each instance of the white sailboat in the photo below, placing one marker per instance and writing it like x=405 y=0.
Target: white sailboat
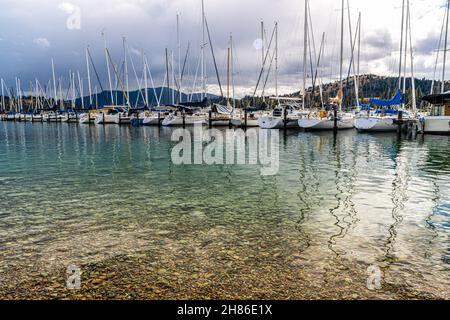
x=438 y=122
x=181 y=118
x=326 y=119
x=276 y=120
x=384 y=118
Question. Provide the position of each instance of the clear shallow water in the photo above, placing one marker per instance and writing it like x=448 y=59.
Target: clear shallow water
x=80 y=194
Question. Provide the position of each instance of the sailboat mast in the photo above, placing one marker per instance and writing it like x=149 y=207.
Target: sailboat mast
x=127 y=84
x=54 y=82
x=305 y=54
x=262 y=44
x=109 y=71
x=232 y=70
x=276 y=62
x=228 y=77
x=179 y=57
x=358 y=65
x=341 y=63
x=167 y=76
x=445 y=48
x=145 y=79
x=173 y=77
x=80 y=86
x=3 y=95
x=401 y=48
x=413 y=81
x=89 y=78
x=203 y=52
x=61 y=98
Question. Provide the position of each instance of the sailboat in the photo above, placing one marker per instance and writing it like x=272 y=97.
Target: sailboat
x=383 y=117
x=283 y=116
x=438 y=122
x=114 y=114
x=333 y=117
x=286 y=114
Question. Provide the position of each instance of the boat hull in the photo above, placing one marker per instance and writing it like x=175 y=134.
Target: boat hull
x=151 y=121
x=122 y=119
x=172 y=121
x=325 y=124
x=105 y=119
x=241 y=122
x=276 y=123
x=437 y=125
x=70 y=119
x=375 y=124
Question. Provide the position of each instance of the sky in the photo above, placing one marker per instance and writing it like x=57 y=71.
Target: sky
x=34 y=32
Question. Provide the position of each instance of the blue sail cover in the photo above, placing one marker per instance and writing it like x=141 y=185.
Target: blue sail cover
x=396 y=100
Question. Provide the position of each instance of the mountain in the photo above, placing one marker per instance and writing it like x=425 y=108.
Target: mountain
x=373 y=86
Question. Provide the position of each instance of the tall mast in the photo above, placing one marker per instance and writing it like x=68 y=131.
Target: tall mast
x=174 y=80
x=305 y=54
x=401 y=48
x=276 y=62
x=127 y=85
x=445 y=48
x=80 y=86
x=61 y=98
x=203 y=52
x=145 y=79
x=262 y=44
x=341 y=64
x=413 y=81
x=228 y=77
x=109 y=71
x=3 y=95
x=405 y=52
x=72 y=84
x=89 y=78
x=179 y=57
x=355 y=76
x=358 y=65
x=168 y=76
x=54 y=83
x=232 y=69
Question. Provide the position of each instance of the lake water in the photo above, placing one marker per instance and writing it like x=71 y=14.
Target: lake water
x=81 y=194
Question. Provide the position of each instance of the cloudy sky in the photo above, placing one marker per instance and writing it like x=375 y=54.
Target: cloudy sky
x=32 y=32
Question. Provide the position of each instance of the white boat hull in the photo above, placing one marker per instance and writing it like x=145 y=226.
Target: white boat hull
x=276 y=123
x=34 y=118
x=325 y=124
x=87 y=119
x=171 y=121
x=437 y=125
x=105 y=119
x=375 y=124
x=70 y=118
x=151 y=121
x=52 y=118
x=122 y=119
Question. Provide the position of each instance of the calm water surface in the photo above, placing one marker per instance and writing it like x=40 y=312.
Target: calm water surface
x=80 y=194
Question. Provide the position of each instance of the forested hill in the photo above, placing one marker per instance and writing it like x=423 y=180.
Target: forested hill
x=373 y=86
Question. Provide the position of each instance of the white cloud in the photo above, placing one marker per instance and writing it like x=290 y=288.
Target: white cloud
x=42 y=43
x=67 y=7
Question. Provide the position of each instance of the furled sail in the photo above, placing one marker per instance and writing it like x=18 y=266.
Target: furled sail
x=396 y=100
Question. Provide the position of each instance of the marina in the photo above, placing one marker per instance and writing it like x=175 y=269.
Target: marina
x=200 y=163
